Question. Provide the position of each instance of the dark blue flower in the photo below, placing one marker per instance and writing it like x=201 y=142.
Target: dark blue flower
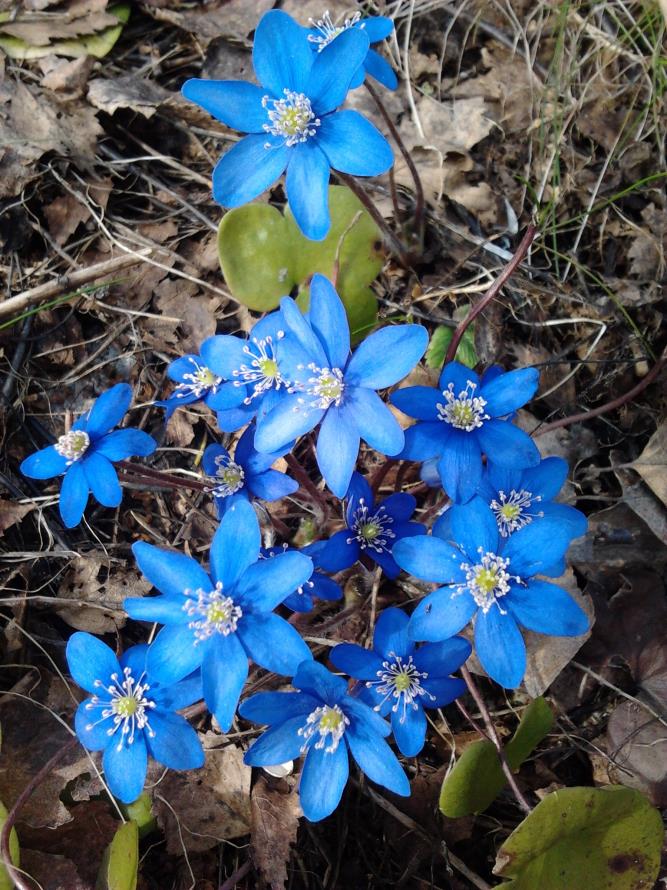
x=372 y=529
x=293 y=122
x=318 y=586
x=492 y=579
x=328 y=386
x=85 y=454
x=252 y=366
x=377 y=28
x=217 y=621
x=131 y=714
x=196 y=382
x=463 y=419
x=519 y=497
x=247 y=475
x=322 y=722
x=402 y=680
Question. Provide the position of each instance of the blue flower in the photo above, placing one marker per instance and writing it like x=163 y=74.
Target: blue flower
x=252 y=366
x=85 y=454
x=322 y=722
x=318 y=586
x=377 y=28
x=402 y=680
x=492 y=578
x=519 y=497
x=338 y=391
x=218 y=621
x=462 y=419
x=196 y=382
x=293 y=122
x=131 y=714
x=247 y=475
x=372 y=529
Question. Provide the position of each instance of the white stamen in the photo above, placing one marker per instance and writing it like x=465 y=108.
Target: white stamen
x=199 y=382
x=218 y=613
x=401 y=681
x=326 y=722
x=512 y=510
x=487 y=580
x=292 y=118
x=325 y=388
x=262 y=372
x=126 y=708
x=371 y=530
x=229 y=477
x=329 y=30
x=73 y=445
x=465 y=411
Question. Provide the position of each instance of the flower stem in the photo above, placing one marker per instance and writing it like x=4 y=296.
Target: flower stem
x=419 y=189
x=306 y=483
x=158 y=477
x=380 y=221
x=479 y=307
x=493 y=735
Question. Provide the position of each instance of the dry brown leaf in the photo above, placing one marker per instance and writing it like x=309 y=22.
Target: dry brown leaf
x=180 y=429
x=275 y=812
x=104 y=585
x=128 y=91
x=230 y=18
x=52 y=872
x=64 y=216
x=11 y=513
x=40 y=29
x=200 y=808
x=64 y=75
x=637 y=743
x=652 y=463
x=179 y=299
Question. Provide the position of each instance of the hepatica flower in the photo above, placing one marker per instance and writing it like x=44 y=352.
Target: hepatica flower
x=372 y=529
x=84 y=455
x=218 y=620
x=338 y=392
x=402 y=680
x=324 y=31
x=292 y=121
x=462 y=419
x=196 y=382
x=130 y=714
x=246 y=475
x=318 y=586
x=322 y=723
x=491 y=579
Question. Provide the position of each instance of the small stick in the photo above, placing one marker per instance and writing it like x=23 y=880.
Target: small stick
x=380 y=221
x=306 y=483
x=507 y=272
x=493 y=735
x=157 y=476
x=241 y=872
x=66 y=282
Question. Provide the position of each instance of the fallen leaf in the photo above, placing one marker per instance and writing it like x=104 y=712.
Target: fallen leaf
x=617 y=539
x=652 y=463
x=11 y=513
x=128 y=91
x=229 y=18
x=53 y=872
x=64 y=216
x=275 y=813
x=189 y=316
x=637 y=745
x=66 y=76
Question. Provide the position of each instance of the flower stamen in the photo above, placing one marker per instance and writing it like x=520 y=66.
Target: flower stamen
x=401 y=681
x=464 y=411
x=292 y=118
x=219 y=614
x=512 y=510
x=73 y=445
x=371 y=530
x=198 y=383
x=328 y=723
x=487 y=580
x=329 y=30
x=262 y=372
x=127 y=706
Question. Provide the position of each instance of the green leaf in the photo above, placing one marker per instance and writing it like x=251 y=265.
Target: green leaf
x=5 y=881
x=478 y=778
x=97 y=45
x=141 y=812
x=440 y=340
x=584 y=839
x=120 y=863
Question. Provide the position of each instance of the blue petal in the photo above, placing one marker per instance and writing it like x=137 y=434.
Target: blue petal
x=458 y=375
x=376 y=759
x=172 y=573
x=232 y=419
x=182 y=366
x=235 y=545
x=173 y=655
x=44 y=464
x=547 y=478
x=108 y=410
x=125 y=768
x=442 y=659
x=225 y=354
x=338 y=553
x=324 y=588
x=135 y=658
x=424 y=441
x=121 y=444
x=332 y=72
x=297 y=327
x=272 y=485
x=235 y=103
x=535 y=546
x=359 y=492
x=91 y=727
x=329 y=320
x=175 y=743
x=315 y=678
x=102 y=479
x=429 y=558
x=275 y=707
x=460 y=466
x=337 y=449
x=163 y=609
x=266 y=583
x=273 y=644
x=418 y=401
x=179 y=695
x=500 y=647
x=307 y=187
x=365 y=717
x=379 y=68
x=399 y=506
x=278 y=744
x=409 y=728
x=228 y=395
x=353 y=145
x=387 y=563
x=443 y=689
x=208 y=461
x=355 y=661
x=507 y=445
x=376 y=424
x=547 y=609
x=287 y=421
x=569 y=518
x=248 y=169
x=323 y=780
x=224 y=671
x=378 y=27
x=89 y=660
x=510 y=391
x=281 y=54
x=497 y=479
x=387 y=356
x=391 y=634
x=473 y=526
x=428 y=473
x=73 y=495
x=441 y=614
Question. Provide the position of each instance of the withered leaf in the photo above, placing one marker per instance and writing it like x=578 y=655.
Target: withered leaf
x=140 y=95
x=275 y=813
